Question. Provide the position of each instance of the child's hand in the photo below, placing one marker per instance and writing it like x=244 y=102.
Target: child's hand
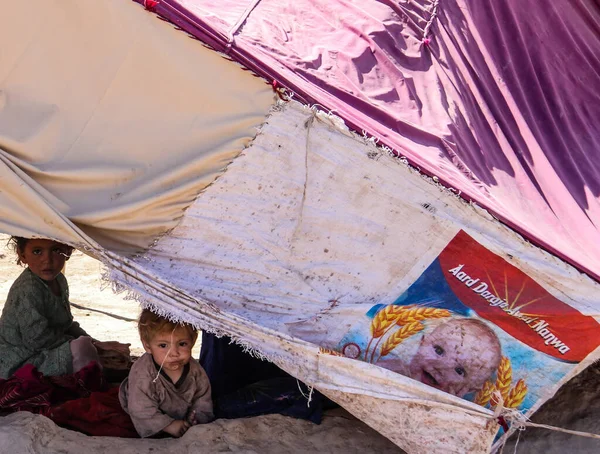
x=177 y=428
x=191 y=418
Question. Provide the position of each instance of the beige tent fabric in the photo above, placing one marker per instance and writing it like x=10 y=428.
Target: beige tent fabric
x=119 y=118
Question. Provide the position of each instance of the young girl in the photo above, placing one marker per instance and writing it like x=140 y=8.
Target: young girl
x=36 y=326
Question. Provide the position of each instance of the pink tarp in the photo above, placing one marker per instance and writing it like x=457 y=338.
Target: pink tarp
x=500 y=100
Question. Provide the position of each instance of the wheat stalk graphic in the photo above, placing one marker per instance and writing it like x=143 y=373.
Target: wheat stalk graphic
x=402 y=316
x=512 y=397
x=516 y=395
x=504 y=377
x=403 y=333
x=416 y=314
x=483 y=397
x=384 y=319
x=381 y=323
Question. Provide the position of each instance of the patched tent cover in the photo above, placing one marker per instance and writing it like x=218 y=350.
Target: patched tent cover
x=288 y=225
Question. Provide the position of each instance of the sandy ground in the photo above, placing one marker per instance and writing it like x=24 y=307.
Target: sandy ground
x=108 y=316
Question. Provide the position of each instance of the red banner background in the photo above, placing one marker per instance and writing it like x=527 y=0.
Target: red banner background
x=546 y=319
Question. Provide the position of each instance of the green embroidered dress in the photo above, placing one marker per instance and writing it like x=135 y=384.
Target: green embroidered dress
x=36 y=327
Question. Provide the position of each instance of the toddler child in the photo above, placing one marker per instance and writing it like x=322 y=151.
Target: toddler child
x=36 y=326
x=167 y=390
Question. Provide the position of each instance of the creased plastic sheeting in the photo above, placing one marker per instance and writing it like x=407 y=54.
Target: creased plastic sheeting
x=118 y=118
x=501 y=103
x=310 y=227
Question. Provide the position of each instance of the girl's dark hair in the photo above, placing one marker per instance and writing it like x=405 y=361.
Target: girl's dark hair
x=17 y=244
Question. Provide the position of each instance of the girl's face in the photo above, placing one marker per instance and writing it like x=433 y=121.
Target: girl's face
x=45 y=258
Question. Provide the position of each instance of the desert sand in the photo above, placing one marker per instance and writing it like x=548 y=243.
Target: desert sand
x=109 y=316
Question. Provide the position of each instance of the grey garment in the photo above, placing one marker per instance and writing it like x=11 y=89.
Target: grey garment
x=36 y=327
x=153 y=401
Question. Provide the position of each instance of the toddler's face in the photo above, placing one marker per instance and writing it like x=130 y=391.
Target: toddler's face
x=45 y=258
x=171 y=349
x=453 y=359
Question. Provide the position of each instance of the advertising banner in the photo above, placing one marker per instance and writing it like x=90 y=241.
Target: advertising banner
x=473 y=324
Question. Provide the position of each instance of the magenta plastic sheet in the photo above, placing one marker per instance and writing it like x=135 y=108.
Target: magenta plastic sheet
x=500 y=100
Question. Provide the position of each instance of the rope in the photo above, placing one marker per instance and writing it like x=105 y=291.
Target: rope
x=513 y=419
x=517 y=443
x=523 y=424
x=309 y=397
x=166 y=356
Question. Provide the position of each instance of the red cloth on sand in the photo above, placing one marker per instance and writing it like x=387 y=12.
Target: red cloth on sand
x=100 y=414
x=79 y=401
x=30 y=390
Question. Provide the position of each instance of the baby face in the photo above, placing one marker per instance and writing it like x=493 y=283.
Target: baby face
x=456 y=358
x=172 y=349
x=45 y=258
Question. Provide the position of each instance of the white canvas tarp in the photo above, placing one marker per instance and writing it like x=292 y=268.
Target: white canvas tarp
x=304 y=233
